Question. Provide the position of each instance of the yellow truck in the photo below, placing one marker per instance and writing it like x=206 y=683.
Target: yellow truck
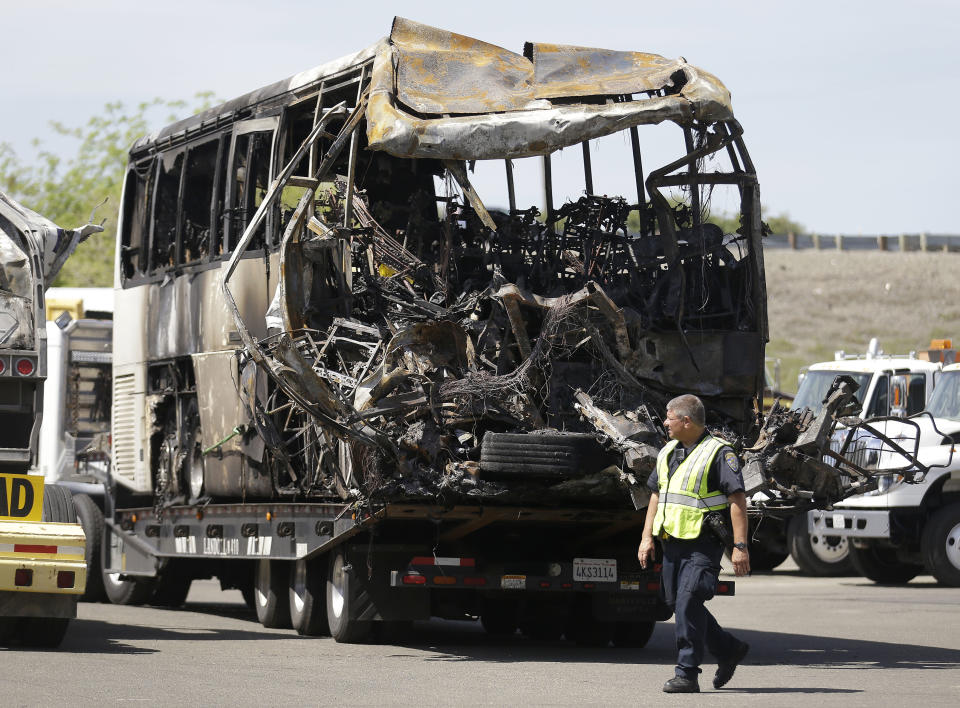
x=42 y=567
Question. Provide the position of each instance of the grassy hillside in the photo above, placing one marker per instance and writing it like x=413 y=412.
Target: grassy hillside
x=821 y=301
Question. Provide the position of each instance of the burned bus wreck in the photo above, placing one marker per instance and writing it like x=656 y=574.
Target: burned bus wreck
x=422 y=343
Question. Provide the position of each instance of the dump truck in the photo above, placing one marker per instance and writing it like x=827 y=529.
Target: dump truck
x=394 y=338
x=42 y=547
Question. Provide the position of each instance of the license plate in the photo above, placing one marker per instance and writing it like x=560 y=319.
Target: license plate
x=597 y=570
x=513 y=582
x=838 y=521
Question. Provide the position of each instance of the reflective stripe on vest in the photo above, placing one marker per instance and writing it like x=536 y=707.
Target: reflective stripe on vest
x=684 y=498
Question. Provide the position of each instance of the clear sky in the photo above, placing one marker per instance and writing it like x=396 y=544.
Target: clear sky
x=849 y=107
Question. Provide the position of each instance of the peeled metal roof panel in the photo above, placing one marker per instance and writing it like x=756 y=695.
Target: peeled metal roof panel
x=565 y=71
x=442 y=95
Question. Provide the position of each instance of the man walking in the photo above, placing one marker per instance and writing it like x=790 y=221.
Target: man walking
x=696 y=475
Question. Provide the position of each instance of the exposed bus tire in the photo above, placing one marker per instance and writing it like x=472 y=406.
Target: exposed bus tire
x=762 y=558
x=941 y=545
x=58 y=505
x=270 y=593
x=881 y=565
x=91 y=519
x=820 y=556
x=308 y=589
x=633 y=635
x=43 y=632
x=341 y=598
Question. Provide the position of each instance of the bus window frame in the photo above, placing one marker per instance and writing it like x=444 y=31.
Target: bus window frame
x=153 y=269
x=245 y=127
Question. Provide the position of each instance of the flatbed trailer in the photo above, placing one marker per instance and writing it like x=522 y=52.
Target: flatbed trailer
x=571 y=571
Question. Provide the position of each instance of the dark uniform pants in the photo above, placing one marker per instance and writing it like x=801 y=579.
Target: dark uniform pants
x=690 y=570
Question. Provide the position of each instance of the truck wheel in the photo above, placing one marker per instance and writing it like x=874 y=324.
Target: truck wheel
x=941 y=545
x=762 y=558
x=308 y=607
x=43 y=632
x=881 y=565
x=634 y=635
x=269 y=593
x=820 y=556
x=341 y=601
x=91 y=519
x=58 y=505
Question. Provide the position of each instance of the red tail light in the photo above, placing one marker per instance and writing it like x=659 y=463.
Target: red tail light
x=414 y=580
x=23 y=577
x=24 y=367
x=66 y=579
x=3 y=366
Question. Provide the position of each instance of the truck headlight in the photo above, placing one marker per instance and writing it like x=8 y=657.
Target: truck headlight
x=887 y=482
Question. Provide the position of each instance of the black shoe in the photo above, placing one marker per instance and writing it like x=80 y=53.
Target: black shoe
x=678 y=684
x=726 y=668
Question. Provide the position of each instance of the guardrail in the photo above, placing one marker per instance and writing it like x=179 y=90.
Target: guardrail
x=866 y=242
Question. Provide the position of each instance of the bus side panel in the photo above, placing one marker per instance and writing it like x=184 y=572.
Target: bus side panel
x=226 y=470
x=131 y=454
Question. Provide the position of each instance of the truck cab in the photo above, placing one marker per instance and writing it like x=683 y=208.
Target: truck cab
x=896 y=386
x=900 y=529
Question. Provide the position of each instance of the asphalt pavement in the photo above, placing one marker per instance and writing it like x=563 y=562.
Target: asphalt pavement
x=823 y=641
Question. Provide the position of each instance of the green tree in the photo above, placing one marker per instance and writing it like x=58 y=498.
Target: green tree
x=778 y=223
x=65 y=189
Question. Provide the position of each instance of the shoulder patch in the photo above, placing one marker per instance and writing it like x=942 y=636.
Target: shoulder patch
x=731 y=459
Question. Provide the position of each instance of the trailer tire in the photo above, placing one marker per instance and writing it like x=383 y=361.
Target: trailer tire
x=308 y=606
x=91 y=519
x=42 y=632
x=270 y=593
x=125 y=591
x=171 y=589
x=58 y=505
x=941 y=545
x=341 y=598
x=633 y=635
x=882 y=566
x=820 y=556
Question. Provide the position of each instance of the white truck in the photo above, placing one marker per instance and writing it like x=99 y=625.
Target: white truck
x=889 y=386
x=897 y=531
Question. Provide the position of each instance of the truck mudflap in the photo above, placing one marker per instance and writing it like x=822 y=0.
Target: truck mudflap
x=42 y=558
x=850 y=523
x=587 y=575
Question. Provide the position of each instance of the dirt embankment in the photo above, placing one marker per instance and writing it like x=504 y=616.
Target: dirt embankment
x=822 y=301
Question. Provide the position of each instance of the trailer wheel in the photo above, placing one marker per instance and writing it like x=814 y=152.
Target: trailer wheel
x=308 y=607
x=91 y=519
x=341 y=601
x=269 y=593
x=821 y=556
x=941 y=545
x=43 y=632
x=172 y=587
x=633 y=635
x=881 y=565
x=125 y=591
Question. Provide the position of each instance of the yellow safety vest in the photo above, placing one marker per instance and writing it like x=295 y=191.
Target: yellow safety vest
x=684 y=496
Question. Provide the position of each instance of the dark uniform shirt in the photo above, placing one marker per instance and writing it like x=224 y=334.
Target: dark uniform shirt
x=723 y=475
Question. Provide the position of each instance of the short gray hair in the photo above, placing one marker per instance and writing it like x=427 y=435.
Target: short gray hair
x=690 y=406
